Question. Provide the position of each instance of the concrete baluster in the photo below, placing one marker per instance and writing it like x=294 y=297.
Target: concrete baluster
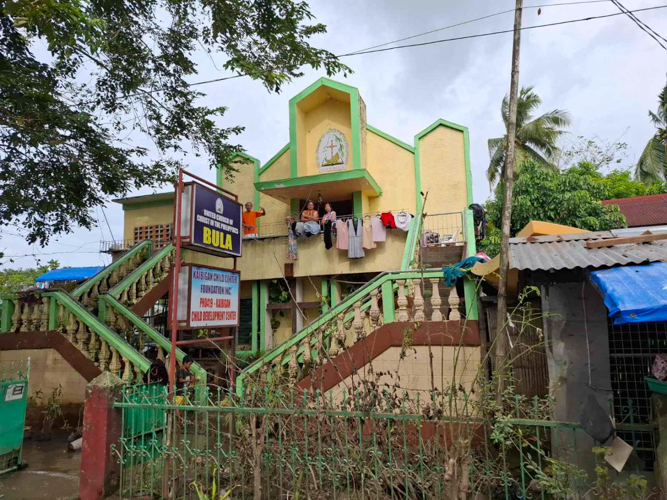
x=293 y=364
x=418 y=301
x=71 y=328
x=436 y=301
x=454 y=302
x=16 y=316
x=104 y=355
x=25 y=318
x=44 y=324
x=81 y=337
x=36 y=318
x=114 y=366
x=358 y=323
x=127 y=370
x=402 y=302
x=375 y=313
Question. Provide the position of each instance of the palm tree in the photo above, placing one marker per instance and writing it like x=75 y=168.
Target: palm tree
x=536 y=138
x=652 y=164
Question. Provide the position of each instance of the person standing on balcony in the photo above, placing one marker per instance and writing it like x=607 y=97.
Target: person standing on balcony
x=328 y=222
x=250 y=221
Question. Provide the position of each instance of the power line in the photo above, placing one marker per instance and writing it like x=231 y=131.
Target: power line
x=480 y=19
x=642 y=25
x=492 y=33
x=108 y=225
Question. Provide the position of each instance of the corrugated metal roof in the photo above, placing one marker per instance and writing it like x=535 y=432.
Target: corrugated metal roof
x=650 y=210
x=547 y=253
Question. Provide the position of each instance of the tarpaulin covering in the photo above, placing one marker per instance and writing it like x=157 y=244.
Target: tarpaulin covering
x=70 y=274
x=634 y=294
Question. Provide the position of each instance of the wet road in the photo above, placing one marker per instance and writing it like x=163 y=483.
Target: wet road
x=52 y=473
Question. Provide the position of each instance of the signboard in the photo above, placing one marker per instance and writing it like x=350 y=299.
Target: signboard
x=332 y=151
x=208 y=297
x=15 y=392
x=210 y=221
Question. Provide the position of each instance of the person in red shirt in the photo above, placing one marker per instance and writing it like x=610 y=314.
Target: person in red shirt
x=250 y=221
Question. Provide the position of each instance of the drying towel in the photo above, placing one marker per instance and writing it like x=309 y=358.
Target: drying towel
x=456 y=271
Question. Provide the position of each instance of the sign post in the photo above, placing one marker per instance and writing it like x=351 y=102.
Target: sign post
x=207 y=219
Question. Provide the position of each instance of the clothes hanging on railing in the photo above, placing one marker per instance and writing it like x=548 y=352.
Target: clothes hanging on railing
x=307 y=229
x=292 y=249
x=355 y=234
x=342 y=235
x=367 y=237
x=388 y=220
x=379 y=230
x=328 y=225
x=402 y=221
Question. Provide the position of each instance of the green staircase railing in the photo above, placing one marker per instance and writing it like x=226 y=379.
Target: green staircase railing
x=92 y=337
x=107 y=278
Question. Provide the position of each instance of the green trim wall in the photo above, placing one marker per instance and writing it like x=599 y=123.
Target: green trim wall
x=466 y=153
x=325 y=294
x=314 y=179
x=263 y=300
x=390 y=138
x=357 y=203
x=355 y=120
x=254 y=330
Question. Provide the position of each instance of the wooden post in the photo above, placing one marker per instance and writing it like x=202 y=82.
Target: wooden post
x=508 y=179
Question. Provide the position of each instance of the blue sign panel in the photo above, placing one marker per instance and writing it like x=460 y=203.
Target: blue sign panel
x=216 y=221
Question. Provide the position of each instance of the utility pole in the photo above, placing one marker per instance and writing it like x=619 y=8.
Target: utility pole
x=508 y=180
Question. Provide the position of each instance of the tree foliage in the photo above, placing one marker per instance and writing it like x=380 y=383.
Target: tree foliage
x=14 y=280
x=652 y=164
x=536 y=137
x=79 y=77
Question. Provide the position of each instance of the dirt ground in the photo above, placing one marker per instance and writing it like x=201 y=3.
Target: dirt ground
x=52 y=472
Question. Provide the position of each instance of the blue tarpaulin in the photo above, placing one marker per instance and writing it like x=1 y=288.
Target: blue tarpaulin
x=634 y=294
x=70 y=274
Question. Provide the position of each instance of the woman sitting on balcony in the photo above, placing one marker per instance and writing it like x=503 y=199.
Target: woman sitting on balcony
x=309 y=224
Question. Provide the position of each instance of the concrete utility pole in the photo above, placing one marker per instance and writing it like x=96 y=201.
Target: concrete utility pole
x=508 y=179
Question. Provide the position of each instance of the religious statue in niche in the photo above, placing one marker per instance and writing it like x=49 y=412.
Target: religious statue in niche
x=332 y=151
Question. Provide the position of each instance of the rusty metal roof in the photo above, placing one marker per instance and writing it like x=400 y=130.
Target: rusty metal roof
x=649 y=210
x=546 y=253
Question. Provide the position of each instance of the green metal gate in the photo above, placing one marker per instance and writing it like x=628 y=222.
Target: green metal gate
x=13 y=401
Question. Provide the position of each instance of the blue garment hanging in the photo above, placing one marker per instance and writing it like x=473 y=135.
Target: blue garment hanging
x=456 y=271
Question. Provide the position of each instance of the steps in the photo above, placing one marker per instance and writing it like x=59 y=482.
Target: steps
x=97 y=317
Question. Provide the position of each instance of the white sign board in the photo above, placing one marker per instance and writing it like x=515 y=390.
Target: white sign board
x=208 y=297
x=15 y=392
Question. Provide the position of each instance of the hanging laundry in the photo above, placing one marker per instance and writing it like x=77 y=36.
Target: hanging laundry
x=355 y=250
x=402 y=221
x=379 y=230
x=388 y=220
x=342 y=236
x=367 y=237
x=292 y=249
x=328 y=225
x=300 y=229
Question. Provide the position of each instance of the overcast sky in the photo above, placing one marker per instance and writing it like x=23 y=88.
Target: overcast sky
x=607 y=73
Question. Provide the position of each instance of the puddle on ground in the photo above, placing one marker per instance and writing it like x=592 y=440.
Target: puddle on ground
x=52 y=473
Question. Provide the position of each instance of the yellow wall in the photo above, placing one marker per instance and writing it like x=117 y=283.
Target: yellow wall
x=48 y=369
x=265 y=259
x=243 y=184
x=393 y=167
x=443 y=175
x=278 y=170
x=329 y=114
x=412 y=373
x=146 y=217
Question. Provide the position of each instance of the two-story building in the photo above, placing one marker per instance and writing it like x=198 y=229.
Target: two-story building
x=334 y=156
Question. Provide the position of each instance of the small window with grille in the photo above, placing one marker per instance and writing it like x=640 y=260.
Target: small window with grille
x=160 y=234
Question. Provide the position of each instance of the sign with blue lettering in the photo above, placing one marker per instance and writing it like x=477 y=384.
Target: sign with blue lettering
x=208 y=297
x=211 y=221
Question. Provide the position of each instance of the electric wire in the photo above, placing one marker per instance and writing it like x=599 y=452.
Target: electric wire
x=642 y=25
x=482 y=18
x=500 y=32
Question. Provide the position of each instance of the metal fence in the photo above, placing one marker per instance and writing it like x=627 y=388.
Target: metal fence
x=277 y=444
x=442 y=229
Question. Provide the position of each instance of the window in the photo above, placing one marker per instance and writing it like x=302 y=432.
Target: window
x=160 y=234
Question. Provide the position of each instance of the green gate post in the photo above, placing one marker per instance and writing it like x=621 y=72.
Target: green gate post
x=102 y=428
